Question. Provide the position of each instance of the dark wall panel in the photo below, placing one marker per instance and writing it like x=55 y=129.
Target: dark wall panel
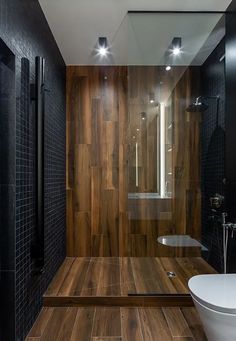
x=25 y=31
x=213 y=154
x=230 y=122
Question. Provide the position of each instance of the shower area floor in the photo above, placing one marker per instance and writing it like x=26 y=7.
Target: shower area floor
x=131 y=281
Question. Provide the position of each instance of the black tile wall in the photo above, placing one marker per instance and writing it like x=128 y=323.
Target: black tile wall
x=25 y=31
x=7 y=193
x=7 y=286
x=213 y=154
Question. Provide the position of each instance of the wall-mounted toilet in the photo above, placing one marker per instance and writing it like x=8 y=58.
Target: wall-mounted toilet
x=215 y=299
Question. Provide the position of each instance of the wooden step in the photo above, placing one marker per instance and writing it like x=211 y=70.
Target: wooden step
x=180 y=300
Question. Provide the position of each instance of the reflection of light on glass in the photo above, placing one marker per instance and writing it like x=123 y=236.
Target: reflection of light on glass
x=176 y=51
x=151 y=98
x=162 y=150
x=170 y=150
x=102 y=51
x=136 y=162
x=143 y=115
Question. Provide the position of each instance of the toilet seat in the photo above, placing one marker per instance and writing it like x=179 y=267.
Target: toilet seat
x=217 y=292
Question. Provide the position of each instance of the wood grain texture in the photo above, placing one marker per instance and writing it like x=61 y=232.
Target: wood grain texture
x=178 y=300
x=106 y=338
x=136 y=324
x=154 y=325
x=150 y=217
x=178 y=326
x=104 y=106
x=55 y=329
x=107 y=322
x=109 y=281
x=186 y=159
x=94 y=139
x=42 y=321
x=131 y=328
x=83 y=324
x=194 y=323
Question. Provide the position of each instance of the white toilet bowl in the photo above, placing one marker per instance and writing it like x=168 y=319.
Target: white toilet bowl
x=215 y=299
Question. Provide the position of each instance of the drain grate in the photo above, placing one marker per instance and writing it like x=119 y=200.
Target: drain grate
x=171 y=274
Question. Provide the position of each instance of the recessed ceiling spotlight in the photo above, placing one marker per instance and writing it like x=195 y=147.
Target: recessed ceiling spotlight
x=143 y=116
x=176 y=45
x=151 y=98
x=102 y=46
x=168 y=68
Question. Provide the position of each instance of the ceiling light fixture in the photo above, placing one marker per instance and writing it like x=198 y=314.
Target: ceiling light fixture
x=143 y=116
x=176 y=45
x=102 y=46
x=151 y=98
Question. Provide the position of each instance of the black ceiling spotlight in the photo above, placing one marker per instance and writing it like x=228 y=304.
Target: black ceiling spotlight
x=102 y=46
x=176 y=45
x=152 y=97
x=143 y=116
x=174 y=49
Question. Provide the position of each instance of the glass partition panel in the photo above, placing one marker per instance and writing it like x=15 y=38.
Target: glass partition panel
x=175 y=104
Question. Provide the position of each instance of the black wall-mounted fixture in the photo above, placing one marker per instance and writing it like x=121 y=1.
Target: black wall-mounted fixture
x=38 y=95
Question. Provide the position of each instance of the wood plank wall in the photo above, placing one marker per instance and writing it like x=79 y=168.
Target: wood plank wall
x=99 y=220
x=186 y=156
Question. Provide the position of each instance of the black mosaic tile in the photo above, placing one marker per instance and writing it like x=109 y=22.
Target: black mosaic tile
x=7 y=306
x=213 y=154
x=7 y=227
x=25 y=31
x=7 y=116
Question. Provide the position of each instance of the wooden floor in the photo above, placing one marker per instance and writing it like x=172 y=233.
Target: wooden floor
x=123 y=276
x=113 y=279
x=117 y=324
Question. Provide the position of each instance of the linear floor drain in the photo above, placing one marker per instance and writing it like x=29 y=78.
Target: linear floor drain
x=171 y=274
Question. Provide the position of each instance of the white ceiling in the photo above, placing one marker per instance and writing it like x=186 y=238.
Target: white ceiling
x=77 y=24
